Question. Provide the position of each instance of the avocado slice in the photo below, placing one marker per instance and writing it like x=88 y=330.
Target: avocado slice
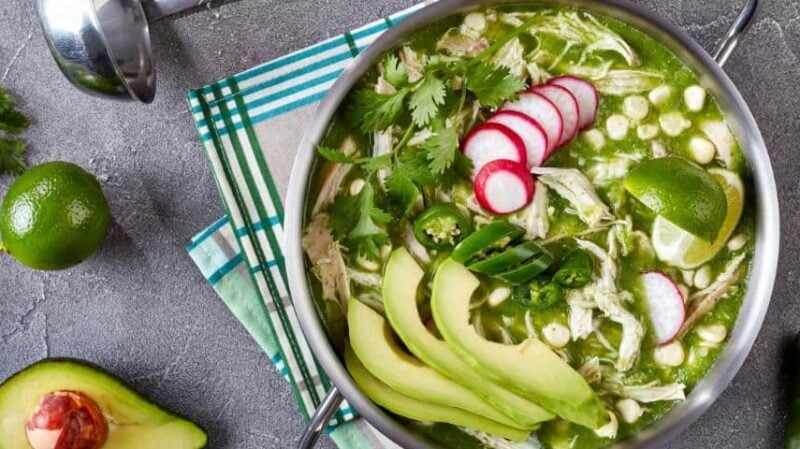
x=408 y=407
x=400 y=283
x=132 y=419
x=376 y=346
x=531 y=368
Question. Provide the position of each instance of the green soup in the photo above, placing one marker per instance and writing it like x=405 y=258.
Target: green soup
x=392 y=153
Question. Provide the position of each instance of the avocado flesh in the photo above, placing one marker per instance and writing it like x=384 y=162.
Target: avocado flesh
x=133 y=421
x=400 y=284
x=531 y=368
x=408 y=407
x=376 y=346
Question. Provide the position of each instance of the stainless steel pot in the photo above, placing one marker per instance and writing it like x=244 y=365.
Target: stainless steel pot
x=741 y=123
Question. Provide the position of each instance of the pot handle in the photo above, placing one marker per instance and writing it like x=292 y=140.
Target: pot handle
x=739 y=27
x=320 y=419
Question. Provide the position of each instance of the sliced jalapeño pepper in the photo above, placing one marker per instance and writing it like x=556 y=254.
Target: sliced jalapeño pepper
x=497 y=234
x=511 y=257
x=527 y=270
x=441 y=227
x=538 y=294
x=576 y=271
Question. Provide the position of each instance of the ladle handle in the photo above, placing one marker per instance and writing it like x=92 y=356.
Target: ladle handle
x=735 y=32
x=320 y=419
x=158 y=9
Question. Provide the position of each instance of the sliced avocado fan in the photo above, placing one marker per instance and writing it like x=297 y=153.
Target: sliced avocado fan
x=530 y=369
x=408 y=407
x=375 y=345
x=401 y=281
x=132 y=418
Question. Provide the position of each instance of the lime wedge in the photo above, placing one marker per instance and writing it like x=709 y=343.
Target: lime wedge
x=680 y=191
x=677 y=247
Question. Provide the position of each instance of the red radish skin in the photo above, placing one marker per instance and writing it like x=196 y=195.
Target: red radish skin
x=567 y=106
x=666 y=305
x=491 y=141
x=504 y=186
x=529 y=130
x=544 y=112
x=585 y=94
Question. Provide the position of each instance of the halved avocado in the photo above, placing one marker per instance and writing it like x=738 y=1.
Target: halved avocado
x=134 y=422
x=400 y=284
x=530 y=369
x=375 y=345
x=408 y=407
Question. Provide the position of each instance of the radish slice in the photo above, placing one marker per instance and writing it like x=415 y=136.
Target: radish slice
x=586 y=95
x=666 y=305
x=529 y=130
x=490 y=141
x=504 y=186
x=544 y=112
x=568 y=107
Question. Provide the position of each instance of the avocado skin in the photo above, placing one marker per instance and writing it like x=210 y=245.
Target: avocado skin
x=66 y=364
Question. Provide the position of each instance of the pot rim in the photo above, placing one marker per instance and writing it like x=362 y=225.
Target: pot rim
x=737 y=116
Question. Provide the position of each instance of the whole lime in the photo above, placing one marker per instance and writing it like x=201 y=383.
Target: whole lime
x=54 y=216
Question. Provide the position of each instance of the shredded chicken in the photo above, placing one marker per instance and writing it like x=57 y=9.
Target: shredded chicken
x=327 y=261
x=577 y=28
x=415 y=247
x=537 y=74
x=413 y=62
x=383 y=87
x=533 y=218
x=494 y=442
x=703 y=301
x=609 y=301
x=580 y=315
x=651 y=392
x=590 y=370
x=511 y=56
x=364 y=279
x=609 y=430
x=456 y=44
x=625 y=82
x=571 y=184
x=334 y=174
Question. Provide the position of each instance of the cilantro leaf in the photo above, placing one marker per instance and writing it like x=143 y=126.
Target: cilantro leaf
x=371 y=111
x=413 y=162
x=394 y=71
x=441 y=149
x=492 y=85
x=402 y=192
x=376 y=163
x=11 y=156
x=426 y=99
x=355 y=221
x=335 y=155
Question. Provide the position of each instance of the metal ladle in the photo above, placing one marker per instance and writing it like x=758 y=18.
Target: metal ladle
x=103 y=46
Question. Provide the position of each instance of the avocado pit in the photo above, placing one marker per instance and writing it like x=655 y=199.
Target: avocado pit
x=66 y=420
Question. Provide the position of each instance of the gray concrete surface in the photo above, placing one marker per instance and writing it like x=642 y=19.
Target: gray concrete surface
x=140 y=308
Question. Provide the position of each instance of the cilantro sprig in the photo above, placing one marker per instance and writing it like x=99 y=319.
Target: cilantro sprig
x=357 y=220
x=12 y=123
x=436 y=109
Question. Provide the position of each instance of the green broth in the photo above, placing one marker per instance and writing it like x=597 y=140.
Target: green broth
x=581 y=155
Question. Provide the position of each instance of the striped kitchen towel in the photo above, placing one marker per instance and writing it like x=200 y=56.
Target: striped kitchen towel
x=250 y=125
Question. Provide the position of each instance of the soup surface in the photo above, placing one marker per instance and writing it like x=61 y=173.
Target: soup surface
x=548 y=222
